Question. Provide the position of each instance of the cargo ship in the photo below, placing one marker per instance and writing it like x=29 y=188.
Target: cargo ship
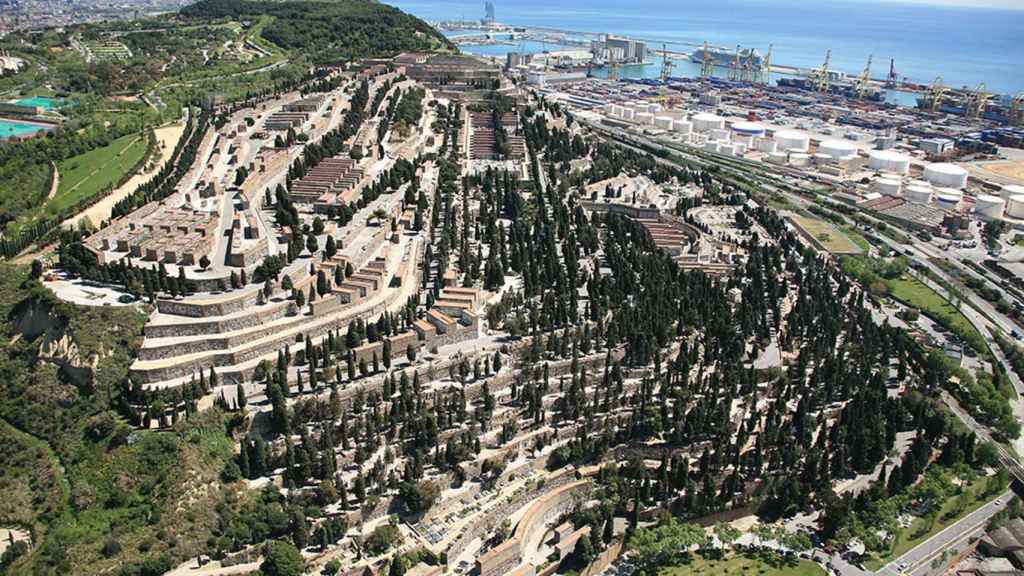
x=840 y=87
x=722 y=57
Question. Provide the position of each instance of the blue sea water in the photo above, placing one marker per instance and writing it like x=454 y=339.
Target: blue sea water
x=963 y=45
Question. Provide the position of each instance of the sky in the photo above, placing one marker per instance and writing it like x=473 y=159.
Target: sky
x=1003 y=4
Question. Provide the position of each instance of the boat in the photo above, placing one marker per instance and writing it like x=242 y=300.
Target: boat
x=722 y=57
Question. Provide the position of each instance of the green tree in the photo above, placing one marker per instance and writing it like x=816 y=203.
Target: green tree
x=282 y=558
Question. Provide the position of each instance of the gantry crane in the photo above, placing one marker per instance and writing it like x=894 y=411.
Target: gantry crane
x=892 y=80
x=707 y=65
x=613 y=66
x=766 y=67
x=865 y=77
x=822 y=80
x=666 y=64
x=735 y=69
x=978 y=101
x=935 y=94
x=1017 y=110
x=751 y=71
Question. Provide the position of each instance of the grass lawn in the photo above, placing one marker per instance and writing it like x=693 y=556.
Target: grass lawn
x=827 y=235
x=913 y=292
x=86 y=175
x=745 y=564
x=860 y=241
x=918 y=532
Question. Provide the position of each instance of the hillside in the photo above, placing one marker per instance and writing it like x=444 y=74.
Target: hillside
x=93 y=493
x=329 y=31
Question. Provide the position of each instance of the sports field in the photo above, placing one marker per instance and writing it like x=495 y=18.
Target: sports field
x=826 y=235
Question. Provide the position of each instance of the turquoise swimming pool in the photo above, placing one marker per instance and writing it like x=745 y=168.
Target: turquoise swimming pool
x=41 y=101
x=13 y=128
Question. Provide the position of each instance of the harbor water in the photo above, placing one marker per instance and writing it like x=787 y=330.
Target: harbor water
x=963 y=45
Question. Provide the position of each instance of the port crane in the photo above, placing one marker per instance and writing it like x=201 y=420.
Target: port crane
x=821 y=80
x=735 y=69
x=707 y=66
x=893 y=80
x=613 y=66
x=935 y=94
x=1017 y=110
x=766 y=67
x=666 y=64
x=865 y=77
x=977 y=101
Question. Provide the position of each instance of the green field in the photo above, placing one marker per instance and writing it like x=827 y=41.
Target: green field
x=741 y=564
x=827 y=235
x=912 y=292
x=948 y=515
x=86 y=175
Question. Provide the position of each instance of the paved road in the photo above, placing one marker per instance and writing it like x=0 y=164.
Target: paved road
x=918 y=560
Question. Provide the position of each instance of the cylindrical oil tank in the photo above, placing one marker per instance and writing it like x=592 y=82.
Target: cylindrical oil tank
x=739 y=148
x=918 y=194
x=644 y=118
x=767 y=146
x=654 y=107
x=720 y=134
x=711 y=146
x=663 y=122
x=946 y=175
x=947 y=200
x=617 y=111
x=777 y=157
x=799 y=159
x=628 y=113
x=729 y=149
x=705 y=122
x=989 y=207
x=1011 y=190
x=837 y=149
x=1015 y=206
x=747 y=129
x=887 y=186
x=889 y=161
x=682 y=126
x=792 y=141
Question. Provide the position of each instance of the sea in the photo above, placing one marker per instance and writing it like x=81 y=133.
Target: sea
x=964 y=46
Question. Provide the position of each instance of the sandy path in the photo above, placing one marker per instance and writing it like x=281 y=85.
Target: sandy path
x=54 y=182
x=167 y=138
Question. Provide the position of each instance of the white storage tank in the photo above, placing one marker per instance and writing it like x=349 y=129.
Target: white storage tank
x=641 y=107
x=946 y=175
x=767 y=146
x=747 y=129
x=654 y=107
x=644 y=118
x=918 y=194
x=729 y=149
x=682 y=126
x=711 y=146
x=777 y=157
x=989 y=207
x=799 y=159
x=792 y=141
x=628 y=113
x=739 y=148
x=947 y=200
x=889 y=161
x=887 y=186
x=1015 y=206
x=720 y=134
x=617 y=111
x=705 y=122
x=1011 y=190
x=663 y=122
x=837 y=149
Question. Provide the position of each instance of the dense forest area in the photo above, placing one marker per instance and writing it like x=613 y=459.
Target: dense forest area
x=329 y=31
